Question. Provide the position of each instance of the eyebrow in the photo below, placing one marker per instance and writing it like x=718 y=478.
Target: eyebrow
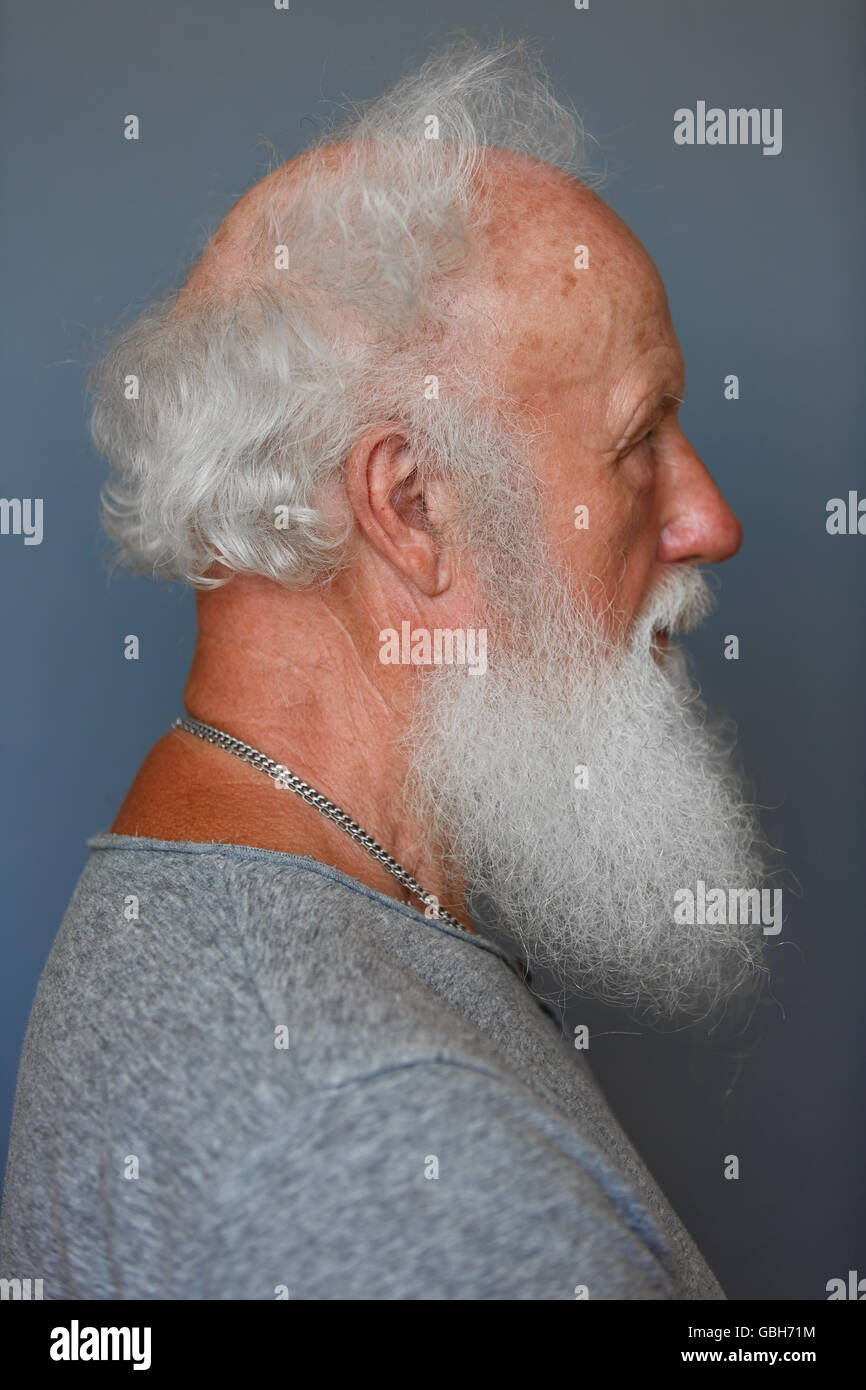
x=667 y=396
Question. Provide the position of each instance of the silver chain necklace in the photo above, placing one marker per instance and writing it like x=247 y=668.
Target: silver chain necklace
x=284 y=778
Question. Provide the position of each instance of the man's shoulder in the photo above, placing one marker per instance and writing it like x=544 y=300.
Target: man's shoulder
x=251 y=952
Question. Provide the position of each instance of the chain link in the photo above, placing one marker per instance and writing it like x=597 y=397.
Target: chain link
x=284 y=778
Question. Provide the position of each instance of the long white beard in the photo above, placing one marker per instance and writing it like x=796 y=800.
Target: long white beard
x=584 y=878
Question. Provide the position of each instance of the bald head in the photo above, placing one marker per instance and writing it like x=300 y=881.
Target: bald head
x=526 y=216
x=539 y=281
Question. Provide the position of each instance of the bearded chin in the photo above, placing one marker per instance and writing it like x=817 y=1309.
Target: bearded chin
x=577 y=785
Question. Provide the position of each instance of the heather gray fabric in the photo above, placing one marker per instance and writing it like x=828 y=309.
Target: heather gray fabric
x=302 y=1171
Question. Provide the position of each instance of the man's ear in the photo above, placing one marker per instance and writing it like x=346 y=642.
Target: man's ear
x=394 y=513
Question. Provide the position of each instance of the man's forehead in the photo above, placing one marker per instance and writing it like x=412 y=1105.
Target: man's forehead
x=566 y=316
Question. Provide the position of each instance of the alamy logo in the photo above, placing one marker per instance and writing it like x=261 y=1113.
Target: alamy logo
x=22 y=516
x=739 y=125
x=420 y=647
x=855 y=1288
x=75 y=1343
x=846 y=519
x=23 y=1289
x=717 y=906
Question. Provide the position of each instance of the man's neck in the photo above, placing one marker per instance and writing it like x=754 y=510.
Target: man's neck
x=289 y=675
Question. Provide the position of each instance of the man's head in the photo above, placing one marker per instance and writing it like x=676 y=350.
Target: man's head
x=425 y=370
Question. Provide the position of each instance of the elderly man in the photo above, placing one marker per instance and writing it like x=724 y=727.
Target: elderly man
x=410 y=427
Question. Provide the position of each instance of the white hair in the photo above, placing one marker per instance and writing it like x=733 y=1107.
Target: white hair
x=583 y=872
x=250 y=401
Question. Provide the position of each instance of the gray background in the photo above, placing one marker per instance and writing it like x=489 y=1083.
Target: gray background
x=762 y=257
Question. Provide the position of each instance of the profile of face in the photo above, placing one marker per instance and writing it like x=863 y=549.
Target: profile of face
x=578 y=783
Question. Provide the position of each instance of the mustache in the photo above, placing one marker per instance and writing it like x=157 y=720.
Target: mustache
x=679 y=603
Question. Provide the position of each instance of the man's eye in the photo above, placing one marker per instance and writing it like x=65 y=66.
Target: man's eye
x=638 y=463
x=634 y=449
x=644 y=439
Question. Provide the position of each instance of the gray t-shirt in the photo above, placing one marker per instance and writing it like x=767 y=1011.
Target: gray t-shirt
x=247 y=1076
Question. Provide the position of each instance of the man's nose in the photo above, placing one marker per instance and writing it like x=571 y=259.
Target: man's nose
x=697 y=524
